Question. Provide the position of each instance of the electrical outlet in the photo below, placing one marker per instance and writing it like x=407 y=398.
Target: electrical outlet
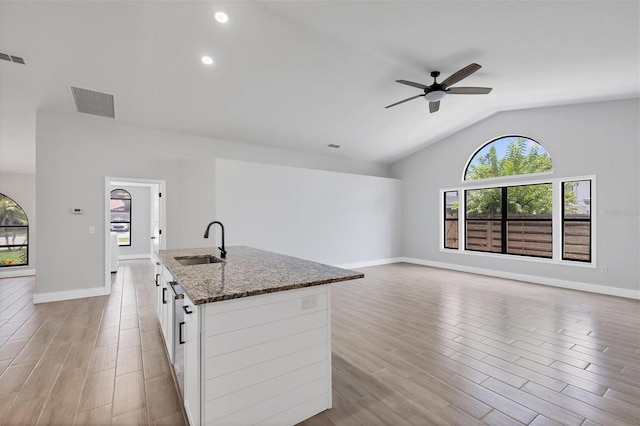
x=92 y=229
x=309 y=302
x=604 y=269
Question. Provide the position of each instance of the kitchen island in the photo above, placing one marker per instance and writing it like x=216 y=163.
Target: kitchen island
x=256 y=332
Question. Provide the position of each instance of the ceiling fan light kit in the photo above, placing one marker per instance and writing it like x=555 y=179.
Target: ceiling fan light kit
x=436 y=91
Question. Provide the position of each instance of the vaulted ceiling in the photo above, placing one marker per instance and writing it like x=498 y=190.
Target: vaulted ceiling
x=304 y=74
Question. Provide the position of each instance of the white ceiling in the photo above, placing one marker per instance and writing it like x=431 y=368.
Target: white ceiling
x=304 y=74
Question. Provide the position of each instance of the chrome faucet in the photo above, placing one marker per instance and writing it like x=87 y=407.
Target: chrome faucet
x=223 y=252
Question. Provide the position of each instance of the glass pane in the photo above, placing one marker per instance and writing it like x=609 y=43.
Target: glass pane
x=13 y=256
x=119 y=227
x=451 y=234
x=451 y=205
x=120 y=206
x=577 y=241
x=484 y=203
x=120 y=217
x=11 y=214
x=14 y=235
x=120 y=193
x=530 y=201
x=577 y=199
x=484 y=235
x=532 y=238
x=507 y=156
x=124 y=238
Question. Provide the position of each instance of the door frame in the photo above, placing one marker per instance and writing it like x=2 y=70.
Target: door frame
x=109 y=181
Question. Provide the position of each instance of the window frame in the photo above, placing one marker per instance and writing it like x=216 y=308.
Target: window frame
x=130 y=199
x=506 y=177
x=557 y=224
x=25 y=245
x=504 y=220
x=565 y=219
x=446 y=219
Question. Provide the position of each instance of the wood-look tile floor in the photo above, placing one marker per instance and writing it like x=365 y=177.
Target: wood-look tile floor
x=92 y=361
x=417 y=345
x=411 y=345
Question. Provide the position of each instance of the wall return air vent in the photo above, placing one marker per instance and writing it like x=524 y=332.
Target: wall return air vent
x=92 y=102
x=12 y=58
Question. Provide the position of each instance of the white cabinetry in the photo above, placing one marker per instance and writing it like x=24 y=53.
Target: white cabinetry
x=265 y=358
x=191 y=361
x=158 y=274
x=165 y=302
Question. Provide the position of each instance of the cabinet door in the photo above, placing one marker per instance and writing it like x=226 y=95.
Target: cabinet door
x=192 y=361
x=166 y=313
x=157 y=277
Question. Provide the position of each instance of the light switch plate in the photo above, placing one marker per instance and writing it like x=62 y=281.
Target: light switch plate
x=92 y=229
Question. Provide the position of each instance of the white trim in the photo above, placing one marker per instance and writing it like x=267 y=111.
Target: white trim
x=134 y=256
x=556 y=184
x=108 y=181
x=17 y=273
x=356 y=265
x=57 y=296
x=573 y=285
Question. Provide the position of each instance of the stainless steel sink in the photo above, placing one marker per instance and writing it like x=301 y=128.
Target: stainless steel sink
x=197 y=260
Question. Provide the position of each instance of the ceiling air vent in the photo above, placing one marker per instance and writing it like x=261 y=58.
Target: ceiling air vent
x=91 y=102
x=12 y=58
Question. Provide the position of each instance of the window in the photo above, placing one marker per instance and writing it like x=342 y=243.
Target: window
x=14 y=234
x=510 y=220
x=451 y=219
x=517 y=218
x=121 y=216
x=576 y=220
x=508 y=156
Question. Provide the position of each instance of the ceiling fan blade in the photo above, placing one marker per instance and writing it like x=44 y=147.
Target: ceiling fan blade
x=434 y=106
x=408 y=99
x=459 y=75
x=469 y=90
x=411 y=83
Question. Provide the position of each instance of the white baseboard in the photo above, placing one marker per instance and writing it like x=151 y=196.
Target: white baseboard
x=134 y=256
x=573 y=285
x=370 y=263
x=57 y=296
x=13 y=273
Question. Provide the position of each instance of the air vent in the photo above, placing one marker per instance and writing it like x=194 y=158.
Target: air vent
x=91 y=102
x=12 y=58
x=333 y=145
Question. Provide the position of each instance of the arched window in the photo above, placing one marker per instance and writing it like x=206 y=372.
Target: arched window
x=516 y=216
x=508 y=156
x=14 y=233
x=121 y=215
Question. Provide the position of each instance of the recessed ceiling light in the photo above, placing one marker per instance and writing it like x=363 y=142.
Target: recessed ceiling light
x=207 y=60
x=221 y=17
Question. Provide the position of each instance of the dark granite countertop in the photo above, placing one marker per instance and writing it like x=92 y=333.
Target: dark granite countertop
x=247 y=272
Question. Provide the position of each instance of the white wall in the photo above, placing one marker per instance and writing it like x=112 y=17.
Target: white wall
x=327 y=217
x=140 y=222
x=598 y=138
x=74 y=153
x=22 y=189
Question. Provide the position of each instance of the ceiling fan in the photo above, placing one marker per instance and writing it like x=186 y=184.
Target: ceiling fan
x=437 y=91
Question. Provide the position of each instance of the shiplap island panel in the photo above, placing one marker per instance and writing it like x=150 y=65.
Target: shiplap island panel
x=263 y=339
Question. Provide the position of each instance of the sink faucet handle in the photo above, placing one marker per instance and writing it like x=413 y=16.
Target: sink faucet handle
x=223 y=252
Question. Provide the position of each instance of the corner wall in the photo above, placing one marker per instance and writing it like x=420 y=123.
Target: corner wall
x=597 y=138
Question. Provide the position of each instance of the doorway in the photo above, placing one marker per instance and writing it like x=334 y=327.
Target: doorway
x=148 y=232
